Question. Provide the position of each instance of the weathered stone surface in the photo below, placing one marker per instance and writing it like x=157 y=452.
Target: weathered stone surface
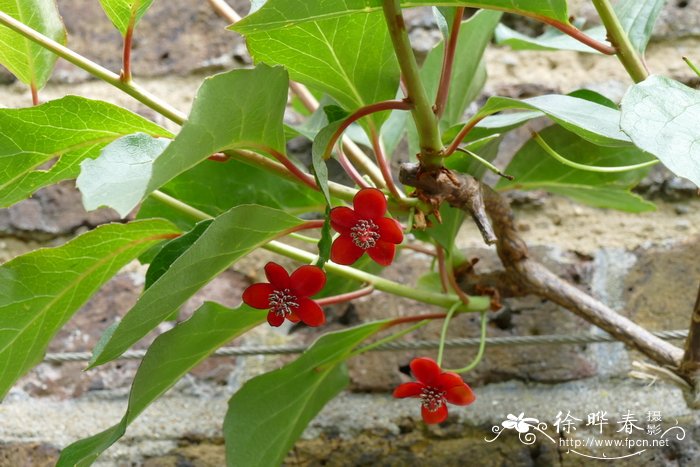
x=28 y=455
x=174 y=37
x=660 y=288
x=53 y=211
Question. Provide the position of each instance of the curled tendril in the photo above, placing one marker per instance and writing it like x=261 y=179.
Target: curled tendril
x=680 y=436
x=497 y=430
x=528 y=438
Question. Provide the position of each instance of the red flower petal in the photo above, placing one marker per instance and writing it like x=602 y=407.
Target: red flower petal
x=258 y=295
x=438 y=416
x=293 y=317
x=307 y=281
x=344 y=250
x=460 y=395
x=411 y=389
x=274 y=319
x=390 y=230
x=277 y=275
x=447 y=380
x=383 y=253
x=343 y=219
x=425 y=370
x=369 y=203
x=310 y=313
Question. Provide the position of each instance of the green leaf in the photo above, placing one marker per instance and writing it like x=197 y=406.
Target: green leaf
x=326 y=240
x=125 y=166
x=636 y=17
x=596 y=123
x=534 y=169
x=291 y=13
x=239 y=109
x=486 y=148
x=551 y=39
x=172 y=251
x=491 y=125
x=168 y=359
x=661 y=116
x=215 y=187
x=41 y=290
x=125 y=13
x=430 y=281
x=469 y=72
x=71 y=129
x=27 y=60
x=445 y=232
x=228 y=238
x=267 y=415
x=349 y=57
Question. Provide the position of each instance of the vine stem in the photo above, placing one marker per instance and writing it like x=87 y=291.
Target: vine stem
x=443 y=332
x=482 y=347
x=363 y=112
x=423 y=116
x=463 y=133
x=486 y=163
x=589 y=168
x=618 y=37
x=94 y=69
x=447 y=63
x=390 y=338
x=350 y=169
x=305 y=178
x=346 y=297
x=379 y=283
x=692 y=66
x=384 y=166
x=354 y=153
x=35 y=93
x=126 y=54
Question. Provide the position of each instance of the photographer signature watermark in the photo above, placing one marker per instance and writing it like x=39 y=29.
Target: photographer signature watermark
x=637 y=433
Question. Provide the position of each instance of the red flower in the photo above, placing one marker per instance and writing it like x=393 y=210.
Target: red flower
x=365 y=229
x=288 y=296
x=435 y=388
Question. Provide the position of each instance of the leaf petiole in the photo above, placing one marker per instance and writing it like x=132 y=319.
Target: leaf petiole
x=589 y=168
x=482 y=346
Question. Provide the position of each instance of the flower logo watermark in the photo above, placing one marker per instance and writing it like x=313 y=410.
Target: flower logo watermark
x=634 y=435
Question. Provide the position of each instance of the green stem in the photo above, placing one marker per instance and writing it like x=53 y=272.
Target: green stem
x=486 y=163
x=626 y=53
x=691 y=65
x=443 y=333
x=390 y=338
x=379 y=283
x=94 y=69
x=589 y=168
x=426 y=122
x=482 y=346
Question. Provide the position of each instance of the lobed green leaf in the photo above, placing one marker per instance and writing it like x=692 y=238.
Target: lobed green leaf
x=349 y=57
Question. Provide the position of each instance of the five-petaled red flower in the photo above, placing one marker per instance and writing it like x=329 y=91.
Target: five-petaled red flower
x=288 y=296
x=435 y=388
x=365 y=228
